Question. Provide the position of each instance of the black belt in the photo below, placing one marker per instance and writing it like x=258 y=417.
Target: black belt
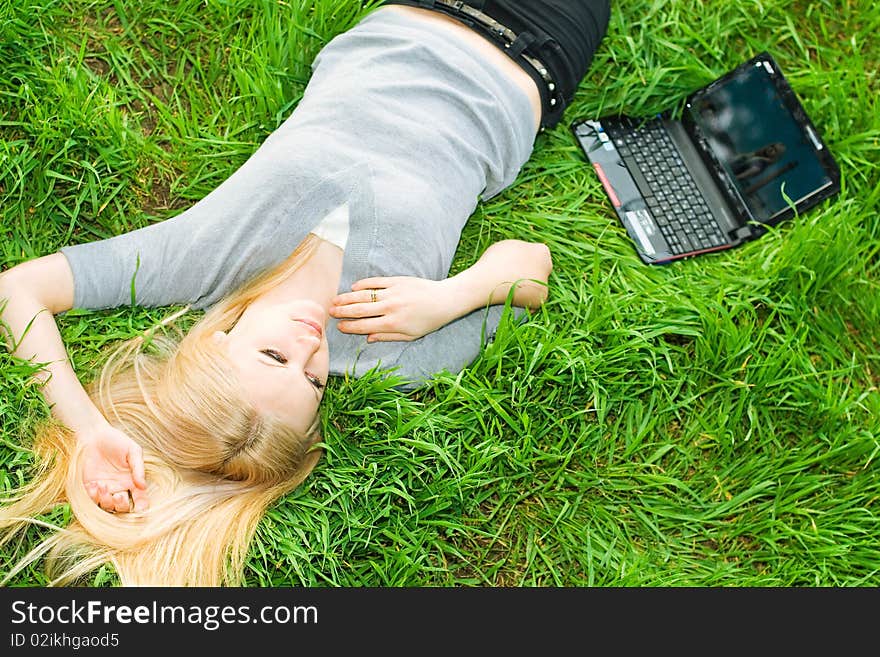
x=515 y=44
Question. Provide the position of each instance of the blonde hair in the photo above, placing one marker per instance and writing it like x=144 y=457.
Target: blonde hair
x=213 y=464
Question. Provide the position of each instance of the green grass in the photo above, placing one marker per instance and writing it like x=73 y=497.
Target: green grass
x=712 y=422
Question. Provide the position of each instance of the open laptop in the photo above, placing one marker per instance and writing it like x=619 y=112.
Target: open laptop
x=740 y=155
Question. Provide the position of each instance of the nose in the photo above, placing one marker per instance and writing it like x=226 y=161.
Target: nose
x=305 y=347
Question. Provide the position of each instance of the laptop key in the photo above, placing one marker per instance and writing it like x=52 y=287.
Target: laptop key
x=637 y=176
x=670 y=193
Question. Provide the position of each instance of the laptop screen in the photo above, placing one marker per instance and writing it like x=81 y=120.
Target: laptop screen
x=768 y=156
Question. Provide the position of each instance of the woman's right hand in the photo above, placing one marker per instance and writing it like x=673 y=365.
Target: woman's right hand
x=113 y=470
x=113 y=464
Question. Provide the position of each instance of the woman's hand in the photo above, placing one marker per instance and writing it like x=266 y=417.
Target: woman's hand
x=405 y=307
x=113 y=470
x=408 y=307
x=35 y=291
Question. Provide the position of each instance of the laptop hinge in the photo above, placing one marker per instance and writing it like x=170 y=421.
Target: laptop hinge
x=741 y=233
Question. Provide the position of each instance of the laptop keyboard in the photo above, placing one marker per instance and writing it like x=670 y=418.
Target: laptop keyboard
x=672 y=196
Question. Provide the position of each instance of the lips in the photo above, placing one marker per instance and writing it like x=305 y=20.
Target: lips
x=312 y=325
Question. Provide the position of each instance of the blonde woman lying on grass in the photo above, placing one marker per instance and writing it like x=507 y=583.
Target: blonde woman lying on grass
x=326 y=253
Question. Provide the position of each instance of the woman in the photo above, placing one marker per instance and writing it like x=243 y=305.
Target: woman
x=326 y=253
x=748 y=165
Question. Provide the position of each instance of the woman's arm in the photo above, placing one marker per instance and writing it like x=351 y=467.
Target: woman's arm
x=408 y=307
x=489 y=280
x=31 y=294
x=34 y=292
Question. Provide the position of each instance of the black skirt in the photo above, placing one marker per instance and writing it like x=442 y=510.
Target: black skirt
x=560 y=36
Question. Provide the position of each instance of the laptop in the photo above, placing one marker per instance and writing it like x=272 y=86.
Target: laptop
x=736 y=157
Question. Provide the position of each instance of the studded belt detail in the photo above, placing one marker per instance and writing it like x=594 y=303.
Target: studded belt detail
x=513 y=42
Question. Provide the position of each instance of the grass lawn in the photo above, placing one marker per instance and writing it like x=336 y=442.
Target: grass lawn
x=711 y=422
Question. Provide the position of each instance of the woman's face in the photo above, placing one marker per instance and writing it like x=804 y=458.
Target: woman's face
x=281 y=355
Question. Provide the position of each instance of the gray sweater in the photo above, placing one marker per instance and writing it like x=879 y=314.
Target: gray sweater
x=408 y=127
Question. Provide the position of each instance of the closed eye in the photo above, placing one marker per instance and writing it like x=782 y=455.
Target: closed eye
x=315 y=381
x=274 y=355
x=278 y=357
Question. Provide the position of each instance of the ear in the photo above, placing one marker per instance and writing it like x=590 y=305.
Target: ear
x=219 y=337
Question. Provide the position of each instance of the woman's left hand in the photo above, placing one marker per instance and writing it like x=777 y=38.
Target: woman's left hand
x=113 y=469
x=395 y=307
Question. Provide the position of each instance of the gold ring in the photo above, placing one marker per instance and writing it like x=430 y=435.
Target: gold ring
x=373 y=297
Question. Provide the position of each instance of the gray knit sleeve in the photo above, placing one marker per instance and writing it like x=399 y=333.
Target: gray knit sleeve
x=202 y=253
x=170 y=262
x=250 y=222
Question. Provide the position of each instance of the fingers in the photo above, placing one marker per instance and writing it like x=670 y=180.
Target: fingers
x=135 y=460
x=92 y=490
x=111 y=502
x=98 y=493
x=118 y=501
x=351 y=300
x=363 y=326
x=122 y=502
x=360 y=304
x=377 y=329
x=139 y=500
x=358 y=310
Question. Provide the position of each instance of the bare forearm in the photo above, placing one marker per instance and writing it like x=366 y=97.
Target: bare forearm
x=387 y=308
x=29 y=330
x=505 y=264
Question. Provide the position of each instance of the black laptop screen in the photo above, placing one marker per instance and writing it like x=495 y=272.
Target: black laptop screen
x=753 y=134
